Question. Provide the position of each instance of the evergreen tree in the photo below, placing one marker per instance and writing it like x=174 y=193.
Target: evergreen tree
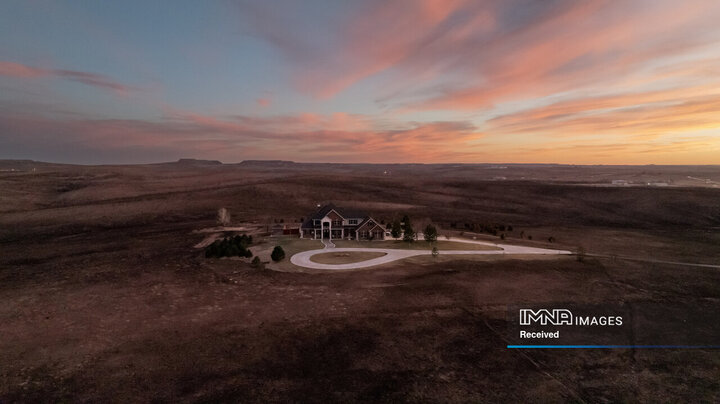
x=430 y=233
x=396 y=231
x=409 y=234
x=406 y=222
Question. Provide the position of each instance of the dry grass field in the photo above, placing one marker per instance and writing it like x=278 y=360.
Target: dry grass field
x=106 y=300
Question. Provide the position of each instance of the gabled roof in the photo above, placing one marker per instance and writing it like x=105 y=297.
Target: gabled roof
x=323 y=211
x=367 y=219
x=344 y=213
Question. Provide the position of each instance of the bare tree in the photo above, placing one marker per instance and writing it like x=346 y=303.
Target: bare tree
x=223 y=217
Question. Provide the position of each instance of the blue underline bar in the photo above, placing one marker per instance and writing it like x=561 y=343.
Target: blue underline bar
x=618 y=346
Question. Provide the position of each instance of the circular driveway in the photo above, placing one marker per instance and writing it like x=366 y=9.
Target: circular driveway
x=302 y=259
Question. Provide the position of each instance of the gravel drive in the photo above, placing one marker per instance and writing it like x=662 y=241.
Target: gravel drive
x=302 y=259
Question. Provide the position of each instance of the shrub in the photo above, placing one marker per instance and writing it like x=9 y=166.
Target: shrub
x=278 y=254
x=502 y=236
x=256 y=263
x=435 y=252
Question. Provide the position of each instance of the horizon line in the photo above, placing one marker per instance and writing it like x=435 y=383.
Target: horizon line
x=218 y=162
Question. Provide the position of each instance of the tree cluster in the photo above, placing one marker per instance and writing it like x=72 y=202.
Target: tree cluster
x=490 y=228
x=235 y=246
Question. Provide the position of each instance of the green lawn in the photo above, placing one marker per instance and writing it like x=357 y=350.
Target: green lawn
x=290 y=244
x=416 y=245
x=294 y=244
x=345 y=257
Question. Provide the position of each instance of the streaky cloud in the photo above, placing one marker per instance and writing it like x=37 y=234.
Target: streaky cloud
x=18 y=70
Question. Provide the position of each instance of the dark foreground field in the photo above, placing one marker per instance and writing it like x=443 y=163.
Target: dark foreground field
x=104 y=298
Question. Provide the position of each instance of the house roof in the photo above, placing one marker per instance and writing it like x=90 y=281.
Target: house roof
x=367 y=219
x=345 y=213
x=324 y=210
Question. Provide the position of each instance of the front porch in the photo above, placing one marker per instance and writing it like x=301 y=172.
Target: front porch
x=327 y=232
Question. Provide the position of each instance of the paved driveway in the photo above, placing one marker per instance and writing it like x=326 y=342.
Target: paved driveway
x=302 y=259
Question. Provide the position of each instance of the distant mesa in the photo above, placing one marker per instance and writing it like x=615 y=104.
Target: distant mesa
x=268 y=163
x=197 y=162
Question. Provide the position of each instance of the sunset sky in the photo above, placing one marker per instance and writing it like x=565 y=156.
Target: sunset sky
x=551 y=81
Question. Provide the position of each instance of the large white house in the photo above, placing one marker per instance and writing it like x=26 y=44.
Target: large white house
x=330 y=222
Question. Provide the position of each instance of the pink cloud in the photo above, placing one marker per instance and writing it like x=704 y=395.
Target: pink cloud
x=18 y=70
x=593 y=40
x=646 y=122
x=467 y=55
x=376 y=37
x=303 y=137
x=263 y=102
x=314 y=137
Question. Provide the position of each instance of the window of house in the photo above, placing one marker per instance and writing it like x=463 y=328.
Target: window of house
x=316 y=222
x=337 y=223
x=352 y=221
